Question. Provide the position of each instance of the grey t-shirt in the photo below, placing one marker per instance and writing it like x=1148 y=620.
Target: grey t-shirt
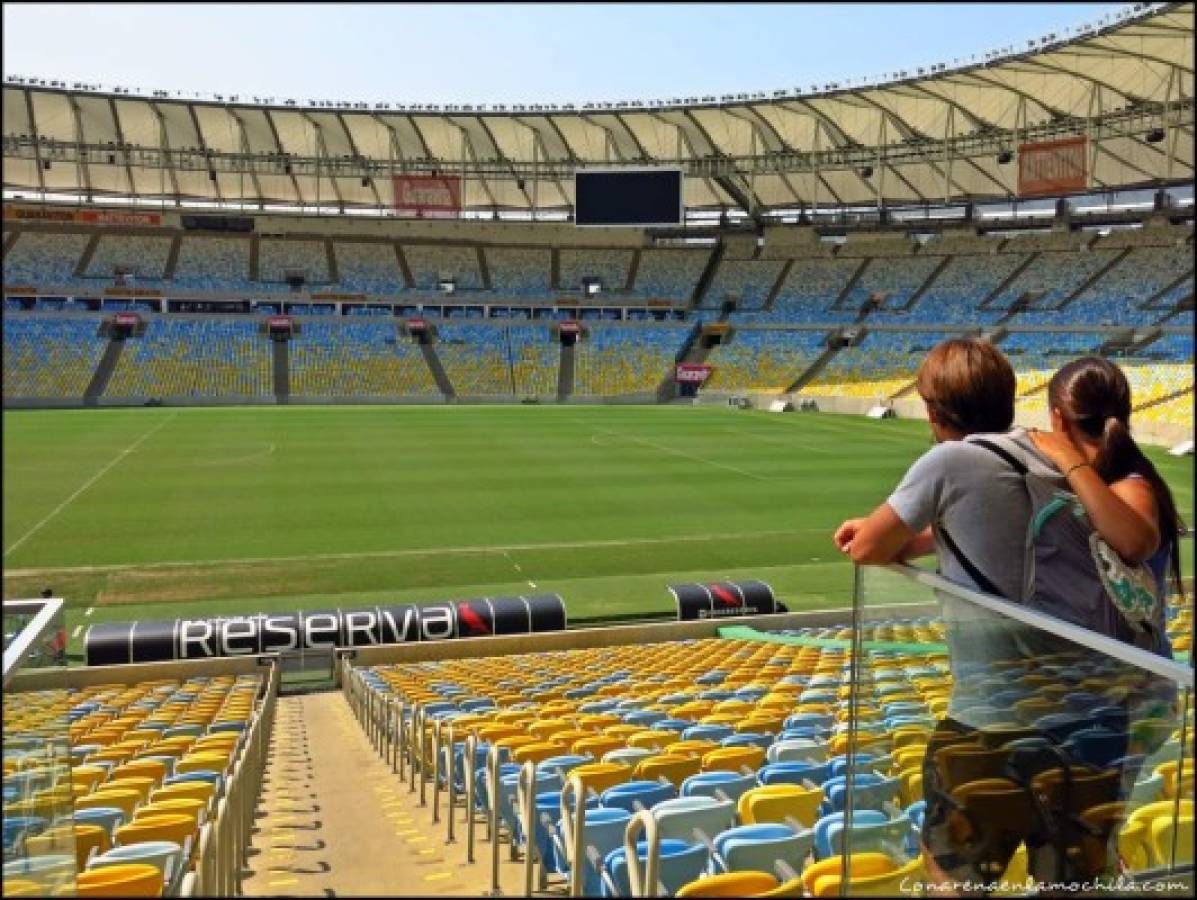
x=984 y=505
x=981 y=501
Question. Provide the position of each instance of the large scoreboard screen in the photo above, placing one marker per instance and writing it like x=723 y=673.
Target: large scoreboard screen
x=635 y=197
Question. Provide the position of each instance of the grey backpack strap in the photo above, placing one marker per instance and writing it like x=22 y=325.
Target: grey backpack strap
x=980 y=578
x=1017 y=464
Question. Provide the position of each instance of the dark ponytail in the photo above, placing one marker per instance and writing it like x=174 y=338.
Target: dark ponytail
x=1093 y=394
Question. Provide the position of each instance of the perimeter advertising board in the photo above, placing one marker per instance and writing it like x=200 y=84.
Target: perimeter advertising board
x=118 y=643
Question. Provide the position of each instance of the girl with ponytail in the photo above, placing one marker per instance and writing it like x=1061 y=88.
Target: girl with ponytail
x=1127 y=501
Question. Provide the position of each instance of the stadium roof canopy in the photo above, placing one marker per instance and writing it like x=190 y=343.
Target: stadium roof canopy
x=941 y=135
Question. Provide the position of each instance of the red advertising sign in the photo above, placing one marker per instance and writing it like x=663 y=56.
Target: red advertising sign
x=428 y=193
x=108 y=217
x=280 y=322
x=417 y=325
x=1052 y=167
x=569 y=327
x=131 y=319
x=693 y=374
x=88 y=216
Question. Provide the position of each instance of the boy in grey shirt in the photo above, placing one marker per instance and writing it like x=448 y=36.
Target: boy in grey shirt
x=961 y=494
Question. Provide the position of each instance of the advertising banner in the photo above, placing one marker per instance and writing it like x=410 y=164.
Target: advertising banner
x=116 y=643
x=692 y=374
x=428 y=193
x=1052 y=167
x=721 y=599
x=86 y=216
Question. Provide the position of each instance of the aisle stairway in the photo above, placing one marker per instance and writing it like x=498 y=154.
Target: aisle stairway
x=333 y=820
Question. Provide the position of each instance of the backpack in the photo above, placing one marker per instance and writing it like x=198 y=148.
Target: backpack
x=1071 y=572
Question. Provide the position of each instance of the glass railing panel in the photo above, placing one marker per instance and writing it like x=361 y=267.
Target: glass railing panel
x=990 y=748
x=39 y=832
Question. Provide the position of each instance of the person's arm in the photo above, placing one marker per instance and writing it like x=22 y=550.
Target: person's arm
x=876 y=540
x=900 y=528
x=1125 y=513
x=922 y=544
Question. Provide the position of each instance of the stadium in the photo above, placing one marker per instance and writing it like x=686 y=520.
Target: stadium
x=380 y=480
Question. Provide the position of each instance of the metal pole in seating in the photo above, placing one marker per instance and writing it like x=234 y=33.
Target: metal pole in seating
x=573 y=825
x=526 y=795
x=471 y=776
x=492 y=786
x=398 y=762
x=413 y=728
x=640 y=882
x=451 y=787
x=438 y=726
x=422 y=742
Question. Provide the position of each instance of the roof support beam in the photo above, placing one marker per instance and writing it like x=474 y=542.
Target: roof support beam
x=164 y=160
x=763 y=131
x=285 y=157
x=199 y=136
x=246 y=149
x=357 y=154
x=81 y=138
x=37 y=144
x=120 y=142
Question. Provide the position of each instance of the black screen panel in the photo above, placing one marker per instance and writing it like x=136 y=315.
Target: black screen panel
x=632 y=197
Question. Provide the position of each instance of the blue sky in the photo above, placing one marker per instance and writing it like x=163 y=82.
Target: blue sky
x=504 y=53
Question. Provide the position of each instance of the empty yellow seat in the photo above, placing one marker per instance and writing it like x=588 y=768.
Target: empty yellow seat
x=733 y=759
x=740 y=884
x=674 y=769
x=778 y=802
x=124 y=880
x=175 y=827
x=599 y=776
x=124 y=799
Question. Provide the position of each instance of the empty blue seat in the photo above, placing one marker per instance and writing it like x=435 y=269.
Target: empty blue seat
x=748 y=739
x=680 y=862
x=1097 y=746
x=822 y=827
x=707 y=732
x=758 y=848
x=603 y=834
x=646 y=794
x=711 y=784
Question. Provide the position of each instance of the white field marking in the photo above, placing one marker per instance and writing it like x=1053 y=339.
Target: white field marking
x=683 y=453
x=430 y=551
x=75 y=633
x=761 y=436
x=89 y=611
x=100 y=474
x=842 y=427
x=234 y=460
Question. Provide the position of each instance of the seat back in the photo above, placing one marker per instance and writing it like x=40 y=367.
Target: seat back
x=681 y=817
x=125 y=880
x=680 y=862
x=777 y=802
x=645 y=793
x=710 y=784
x=761 y=847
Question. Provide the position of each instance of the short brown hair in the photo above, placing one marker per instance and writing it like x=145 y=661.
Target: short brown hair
x=969 y=384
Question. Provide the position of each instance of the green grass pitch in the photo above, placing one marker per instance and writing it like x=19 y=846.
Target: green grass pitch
x=158 y=513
